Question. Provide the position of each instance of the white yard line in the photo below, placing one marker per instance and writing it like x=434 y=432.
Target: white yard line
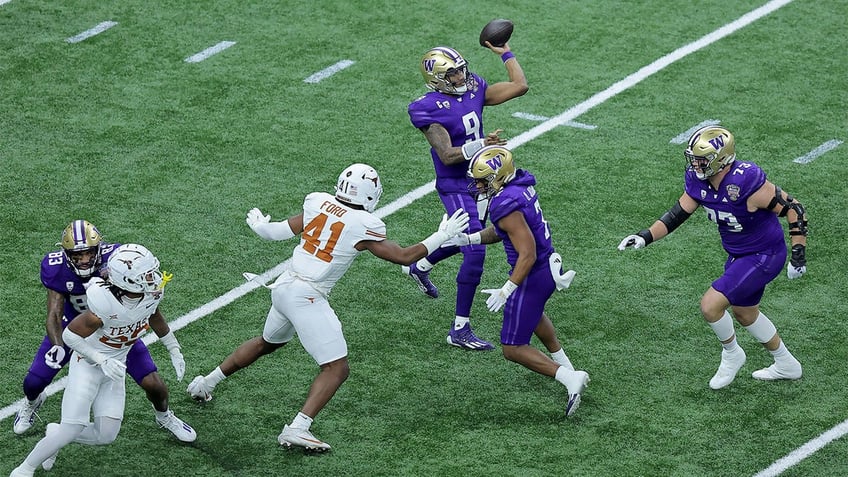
x=563 y=118
x=212 y=50
x=805 y=450
x=812 y=155
x=329 y=71
x=100 y=28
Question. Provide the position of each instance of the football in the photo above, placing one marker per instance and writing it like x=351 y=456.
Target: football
x=496 y=32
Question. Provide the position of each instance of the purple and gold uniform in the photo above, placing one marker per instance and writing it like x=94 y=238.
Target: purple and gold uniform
x=462 y=117
x=523 y=309
x=58 y=276
x=754 y=241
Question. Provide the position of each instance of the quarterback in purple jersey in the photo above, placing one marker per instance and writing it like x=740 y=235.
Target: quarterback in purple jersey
x=517 y=221
x=451 y=118
x=66 y=273
x=745 y=205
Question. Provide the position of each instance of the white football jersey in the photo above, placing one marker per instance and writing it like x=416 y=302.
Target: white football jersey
x=123 y=324
x=331 y=231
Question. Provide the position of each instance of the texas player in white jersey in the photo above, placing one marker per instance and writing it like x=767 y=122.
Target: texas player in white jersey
x=333 y=231
x=120 y=311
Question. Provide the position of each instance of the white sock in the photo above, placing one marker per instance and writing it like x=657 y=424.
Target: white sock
x=460 y=321
x=160 y=415
x=215 y=377
x=301 y=421
x=731 y=345
x=724 y=330
x=562 y=360
x=424 y=265
x=561 y=374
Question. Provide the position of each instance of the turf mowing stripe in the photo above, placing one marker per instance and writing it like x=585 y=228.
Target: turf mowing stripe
x=805 y=450
x=100 y=28
x=684 y=136
x=212 y=50
x=425 y=189
x=812 y=155
x=329 y=71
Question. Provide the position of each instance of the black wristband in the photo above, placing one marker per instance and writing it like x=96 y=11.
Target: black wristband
x=799 y=255
x=646 y=235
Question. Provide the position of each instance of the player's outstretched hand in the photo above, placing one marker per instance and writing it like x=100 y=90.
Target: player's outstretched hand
x=256 y=217
x=455 y=224
x=634 y=241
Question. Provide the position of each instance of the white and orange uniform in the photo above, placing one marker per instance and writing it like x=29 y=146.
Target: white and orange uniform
x=123 y=324
x=299 y=303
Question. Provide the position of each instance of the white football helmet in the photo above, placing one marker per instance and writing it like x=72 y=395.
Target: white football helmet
x=81 y=245
x=442 y=67
x=359 y=184
x=135 y=269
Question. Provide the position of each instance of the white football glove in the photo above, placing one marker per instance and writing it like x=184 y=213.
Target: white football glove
x=562 y=281
x=113 y=369
x=797 y=265
x=634 y=241
x=455 y=224
x=54 y=357
x=179 y=363
x=256 y=217
x=499 y=296
x=458 y=240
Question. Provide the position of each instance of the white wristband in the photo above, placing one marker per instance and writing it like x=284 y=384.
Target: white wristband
x=509 y=287
x=474 y=239
x=170 y=341
x=471 y=148
x=433 y=242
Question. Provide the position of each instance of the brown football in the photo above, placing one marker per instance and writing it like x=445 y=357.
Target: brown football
x=496 y=32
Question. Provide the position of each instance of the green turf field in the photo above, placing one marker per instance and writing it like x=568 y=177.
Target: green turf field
x=120 y=130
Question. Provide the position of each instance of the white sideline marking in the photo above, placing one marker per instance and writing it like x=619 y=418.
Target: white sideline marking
x=212 y=50
x=100 y=28
x=573 y=124
x=628 y=82
x=812 y=155
x=805 y=450
x=684 y=136
x=329 y=71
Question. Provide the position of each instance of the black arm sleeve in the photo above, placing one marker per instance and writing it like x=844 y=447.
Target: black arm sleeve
x=674 y=217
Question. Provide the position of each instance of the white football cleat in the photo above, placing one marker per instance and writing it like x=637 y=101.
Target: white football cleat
x=294 y=436
x=199 y=390
x=731 y=363
x=178 y=427
x=27 y=414
x=775 y=372
x=576 y=383
x=18 y=472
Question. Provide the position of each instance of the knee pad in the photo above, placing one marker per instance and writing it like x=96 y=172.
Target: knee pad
x=762 y=329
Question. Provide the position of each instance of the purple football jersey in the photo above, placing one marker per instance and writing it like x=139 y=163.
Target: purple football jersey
x=58 y=276
x=742 y=232
x=462 y=117
x=520 y=195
